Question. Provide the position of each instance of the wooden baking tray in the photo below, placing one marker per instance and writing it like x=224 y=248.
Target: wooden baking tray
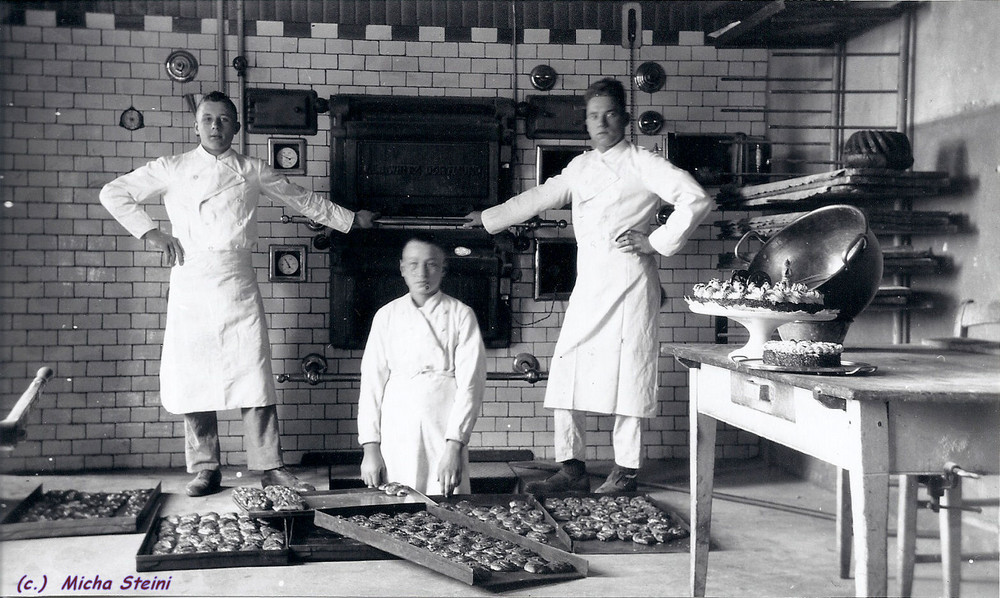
x=335 y=520
x=145 y=560
x=621 y=546
x=340 y=499
x=489 y=500
x=309 y=542
x=12 y=529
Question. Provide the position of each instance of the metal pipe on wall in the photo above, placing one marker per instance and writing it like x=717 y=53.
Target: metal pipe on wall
x=241 y=73
x=901 y=318
x=220 y=13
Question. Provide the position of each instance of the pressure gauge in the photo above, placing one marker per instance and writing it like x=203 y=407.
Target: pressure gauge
x=287 y=158
x=287 y=155
x=131 y=119
x=288 y=263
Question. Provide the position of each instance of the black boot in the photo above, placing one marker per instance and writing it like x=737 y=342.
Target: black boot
x=571 y=477
x=621 y=479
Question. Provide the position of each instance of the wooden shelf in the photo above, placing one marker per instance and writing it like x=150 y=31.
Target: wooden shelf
x=795 y=23
x=836 y=186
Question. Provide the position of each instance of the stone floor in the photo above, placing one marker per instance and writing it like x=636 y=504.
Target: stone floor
x=773 y=535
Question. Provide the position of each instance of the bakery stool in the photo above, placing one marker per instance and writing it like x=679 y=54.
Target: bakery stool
x=945 y=498
x=944 y=489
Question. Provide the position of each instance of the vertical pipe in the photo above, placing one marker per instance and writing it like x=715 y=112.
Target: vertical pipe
x=901 y=318
x=240 y=49
x=837 y=98
x=221 y=42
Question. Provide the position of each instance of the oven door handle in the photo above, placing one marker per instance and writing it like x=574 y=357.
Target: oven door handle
x=420 y=221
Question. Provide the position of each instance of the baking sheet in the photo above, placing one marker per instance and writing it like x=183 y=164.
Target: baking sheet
x=342 y=498
x=145 y=560
x=336 y=520
x=12 y=529
x=846 y=368
x=504 y=500
x=621 y=546
x=309 y=542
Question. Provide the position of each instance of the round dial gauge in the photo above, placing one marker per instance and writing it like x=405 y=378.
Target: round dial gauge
x=288 y=157
x=131 y=119
x=288 y=264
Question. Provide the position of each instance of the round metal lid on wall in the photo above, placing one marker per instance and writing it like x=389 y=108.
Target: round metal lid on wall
x=131 y=119
x=181 y=66
x=543 y=77
x=650 y=77
x=650 y=122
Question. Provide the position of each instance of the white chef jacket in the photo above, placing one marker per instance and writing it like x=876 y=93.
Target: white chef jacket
x=216 y=353
x=606 y=356
x=422 y=379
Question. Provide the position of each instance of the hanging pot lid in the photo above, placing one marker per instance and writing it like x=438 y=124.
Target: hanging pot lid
x=181 y=66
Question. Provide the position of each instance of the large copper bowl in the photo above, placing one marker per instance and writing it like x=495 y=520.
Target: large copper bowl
x=830 y=249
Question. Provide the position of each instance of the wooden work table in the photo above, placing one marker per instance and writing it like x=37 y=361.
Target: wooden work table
x=923 y=407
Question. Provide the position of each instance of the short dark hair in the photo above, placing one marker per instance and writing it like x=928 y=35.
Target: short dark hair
x=218 y=96
x=426 y=239
x=607 y=87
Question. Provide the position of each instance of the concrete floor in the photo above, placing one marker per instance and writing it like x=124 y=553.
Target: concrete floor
x=774 y=535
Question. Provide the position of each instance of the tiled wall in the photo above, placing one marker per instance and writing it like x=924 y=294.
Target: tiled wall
x=77 y=293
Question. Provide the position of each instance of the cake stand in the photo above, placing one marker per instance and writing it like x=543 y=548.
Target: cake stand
x=760 y=323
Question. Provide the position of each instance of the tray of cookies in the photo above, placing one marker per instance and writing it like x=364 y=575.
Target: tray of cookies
x=210 y=541
x=447 y=542
x=621 y=523
x=309 y=542
x=517 y=513
x=55 y=513
x=281 y=501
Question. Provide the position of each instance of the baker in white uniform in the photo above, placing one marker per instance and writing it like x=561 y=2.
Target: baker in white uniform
x=605 y=360
x=216 y=353
x=422 y=380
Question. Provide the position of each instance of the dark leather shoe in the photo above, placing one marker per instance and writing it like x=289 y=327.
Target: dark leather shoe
x=561 y=481
x=208 y=481
x=619 y=481
x=282 y=477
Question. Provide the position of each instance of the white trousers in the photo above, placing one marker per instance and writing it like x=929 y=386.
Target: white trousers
x=571 y=437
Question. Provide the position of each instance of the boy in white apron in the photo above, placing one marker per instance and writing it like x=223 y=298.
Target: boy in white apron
x=216 y=353
x=422 y=380
x=605 y=360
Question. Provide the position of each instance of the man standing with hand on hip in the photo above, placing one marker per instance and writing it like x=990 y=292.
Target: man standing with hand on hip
x=216 y=352
x=605 y=361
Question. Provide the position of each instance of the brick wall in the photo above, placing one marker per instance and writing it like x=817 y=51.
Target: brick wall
x=78 y=294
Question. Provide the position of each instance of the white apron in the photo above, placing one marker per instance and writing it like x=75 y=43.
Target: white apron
x=413 y=446
x=216 y=353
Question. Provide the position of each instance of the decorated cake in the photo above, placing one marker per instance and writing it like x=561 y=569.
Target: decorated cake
x=754 y=291
x=802 y=354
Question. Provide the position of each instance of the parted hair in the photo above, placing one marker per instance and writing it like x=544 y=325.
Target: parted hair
x=218 y=96
x=610 y=88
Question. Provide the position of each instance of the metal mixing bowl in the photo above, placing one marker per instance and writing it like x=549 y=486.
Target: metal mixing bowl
x=830 y=249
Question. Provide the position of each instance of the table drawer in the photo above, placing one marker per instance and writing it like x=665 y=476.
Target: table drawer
x=763 y=395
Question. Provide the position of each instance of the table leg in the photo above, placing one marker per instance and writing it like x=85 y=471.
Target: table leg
x=869 y=479
x=906 y=533
x=950 y=517
x=702 y=472
x=844 y=522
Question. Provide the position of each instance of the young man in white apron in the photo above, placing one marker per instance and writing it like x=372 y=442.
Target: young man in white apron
x=216 y=353
x=605 y=360
x=422 y=380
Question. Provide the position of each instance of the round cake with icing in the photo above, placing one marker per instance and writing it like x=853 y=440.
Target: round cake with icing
x=802 y=354
x=781 y=296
